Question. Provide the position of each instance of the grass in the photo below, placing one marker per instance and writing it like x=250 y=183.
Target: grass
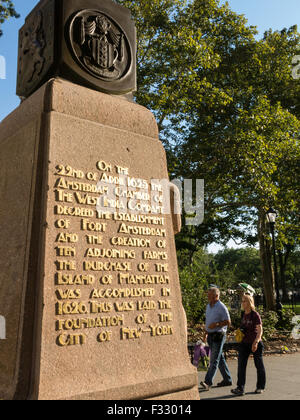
x=296 y=308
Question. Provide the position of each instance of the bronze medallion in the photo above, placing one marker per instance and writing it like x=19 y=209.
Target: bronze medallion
x=100 y=45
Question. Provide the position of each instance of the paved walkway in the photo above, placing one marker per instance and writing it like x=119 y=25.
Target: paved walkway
x=283 y=380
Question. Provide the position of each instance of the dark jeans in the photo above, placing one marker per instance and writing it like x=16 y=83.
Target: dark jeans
x=244 y=353
x=217 y=360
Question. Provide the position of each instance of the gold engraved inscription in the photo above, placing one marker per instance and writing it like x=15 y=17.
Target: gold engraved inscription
x=74 y=280
x=162 y=267
x=73 y=211
x=124 y=306
x=131 y=242
x=86 y=199
x=157 y=330
x=106 y=266
x=131 y=333
x=146 y=305
x=141 y=230
x=68 y=294
x=143 y=279
x=93 y=226
x=65 y=251
x=62 y=223
x=110 y=253
x=67 y=237
x=104 y=336
x=155 y=255
x=139 y=218
x=121 y=170
x=94 y=239
x=165 y=317
x=71 y=308
x=64 y=196
x=109 y=179
x=165 y=304
x=64 y=184
x=83 y=323
x=165 y=292
x=67 y=170
x=66 y=265
x=71 y=339
x=135 y=286
x=100 y=307
x=121 y=293
x=104 y=166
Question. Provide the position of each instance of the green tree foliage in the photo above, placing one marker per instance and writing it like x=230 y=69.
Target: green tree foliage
x=228 y=113
x=249 y=161
x=172 y=49
x=227 y=269
x=7 y=10
x=193 y=295
x=243 y=263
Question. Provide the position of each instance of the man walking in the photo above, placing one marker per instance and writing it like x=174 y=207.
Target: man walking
x=217 y=322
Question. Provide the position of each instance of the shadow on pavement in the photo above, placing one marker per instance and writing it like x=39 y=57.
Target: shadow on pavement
x=223 y=397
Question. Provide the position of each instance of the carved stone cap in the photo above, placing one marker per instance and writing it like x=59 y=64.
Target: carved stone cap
x=89 y=42
x=68 y=98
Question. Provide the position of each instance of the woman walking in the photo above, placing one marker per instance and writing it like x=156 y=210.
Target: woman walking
x=252 y=328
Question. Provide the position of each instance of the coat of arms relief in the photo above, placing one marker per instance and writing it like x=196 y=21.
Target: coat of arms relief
x=100 y=45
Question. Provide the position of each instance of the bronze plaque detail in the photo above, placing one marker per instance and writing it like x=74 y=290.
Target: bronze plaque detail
x=88 y=42
x=36 y=49
x=31 y=60
x=100 y=45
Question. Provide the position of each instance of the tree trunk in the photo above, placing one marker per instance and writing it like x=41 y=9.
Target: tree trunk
x=266 y=265
x=282 y=277
x=283 y=259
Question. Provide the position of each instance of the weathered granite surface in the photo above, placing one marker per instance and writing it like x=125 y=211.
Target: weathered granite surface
x=145 y=354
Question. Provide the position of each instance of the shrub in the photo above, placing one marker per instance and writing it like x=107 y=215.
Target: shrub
x=269 y=321
x=285 y=323
x=193 y=296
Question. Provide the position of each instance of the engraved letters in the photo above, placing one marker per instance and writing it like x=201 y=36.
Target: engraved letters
x=111 y=266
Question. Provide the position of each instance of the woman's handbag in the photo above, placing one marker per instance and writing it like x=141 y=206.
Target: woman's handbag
x=240 y=332
x=239 y=335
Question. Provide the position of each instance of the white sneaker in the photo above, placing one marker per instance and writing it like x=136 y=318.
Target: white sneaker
x=259 y=391
x=205 y=386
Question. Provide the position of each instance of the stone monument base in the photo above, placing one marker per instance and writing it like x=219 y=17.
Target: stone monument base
x=91 y=299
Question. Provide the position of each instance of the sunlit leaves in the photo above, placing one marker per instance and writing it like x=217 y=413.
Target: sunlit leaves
x=7 y=10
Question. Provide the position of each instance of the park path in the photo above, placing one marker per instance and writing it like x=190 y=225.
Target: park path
x=283 y=380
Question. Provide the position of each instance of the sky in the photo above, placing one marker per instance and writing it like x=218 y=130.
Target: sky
x=265 y=14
